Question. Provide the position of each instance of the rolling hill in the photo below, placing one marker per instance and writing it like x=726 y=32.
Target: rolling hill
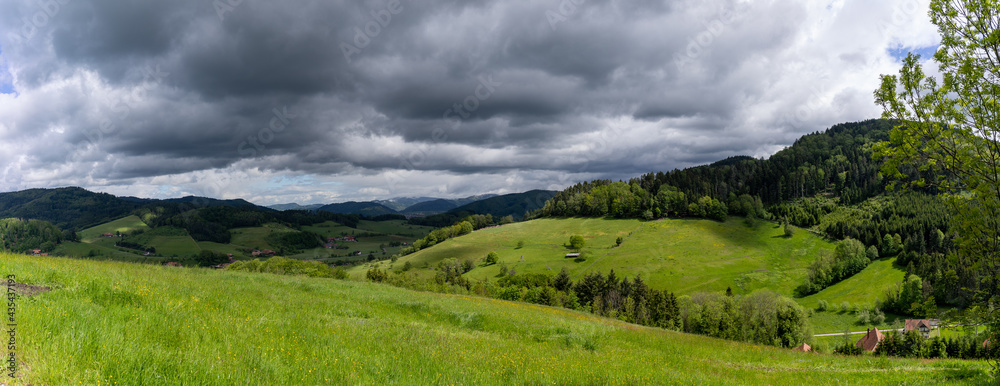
x=514 y=204
x=401 y=203
x=77 y=208
x=681 y=255
x=66 y=208
x=92 y=322
x=430 y=207
x=369 y=208
x=200 y=202
x=294 y=206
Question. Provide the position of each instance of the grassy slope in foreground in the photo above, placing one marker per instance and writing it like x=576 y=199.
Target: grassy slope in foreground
x=681 y=255
x=106 y=323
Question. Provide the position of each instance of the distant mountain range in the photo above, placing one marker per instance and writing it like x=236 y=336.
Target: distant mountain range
x=294 y=206
x=401 y=203
x=368 y=208
x=408 y=206
x=78 y=208
x=514 y=205
x=204 y=201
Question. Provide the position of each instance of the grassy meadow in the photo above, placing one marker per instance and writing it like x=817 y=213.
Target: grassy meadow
x=863 y=290
x=123 y=225
x=374 y=237
x=256 y=237
x=120 y=323
x=680 y=255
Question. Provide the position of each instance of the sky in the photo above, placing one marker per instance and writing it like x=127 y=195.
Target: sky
x=331 y=101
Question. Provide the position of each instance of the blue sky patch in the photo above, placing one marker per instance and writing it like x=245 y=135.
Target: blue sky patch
x=6 y=79
x=926 y=53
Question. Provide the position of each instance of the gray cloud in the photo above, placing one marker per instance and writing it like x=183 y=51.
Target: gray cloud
x=422 y=98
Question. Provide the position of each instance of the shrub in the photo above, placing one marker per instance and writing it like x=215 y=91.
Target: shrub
x=789 y=232
x=877 y=317
x=503 y=270
x=823 y=305
x=872 y=252
x=284 y=266
x=520 y=244
x=864 y=317
x=492 y=258
x=848 y=348
x=376 y=275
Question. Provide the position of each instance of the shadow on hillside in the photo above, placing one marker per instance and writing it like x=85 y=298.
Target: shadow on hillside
x=737 y=233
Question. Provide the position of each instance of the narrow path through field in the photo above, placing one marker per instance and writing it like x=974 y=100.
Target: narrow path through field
x=898 y=329
x=634 y=231
x=854 y=332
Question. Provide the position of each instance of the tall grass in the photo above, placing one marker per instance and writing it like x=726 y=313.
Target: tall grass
x=116 y=323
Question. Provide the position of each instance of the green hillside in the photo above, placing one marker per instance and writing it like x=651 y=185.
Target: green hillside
x=863 y=288
x=378 y=238
x=256 y=237
x=123 y=225
x=108 y=323
x=680 y=255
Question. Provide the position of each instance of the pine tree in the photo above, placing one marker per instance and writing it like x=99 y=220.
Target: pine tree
x=562 y=281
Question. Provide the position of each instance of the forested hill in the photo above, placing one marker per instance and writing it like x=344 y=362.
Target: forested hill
x=67 y=208
x=838 y=162
x=514 y=206
x=77 y=208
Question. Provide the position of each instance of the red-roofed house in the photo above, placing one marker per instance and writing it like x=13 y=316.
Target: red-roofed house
x=802 y=347
x=871 y=340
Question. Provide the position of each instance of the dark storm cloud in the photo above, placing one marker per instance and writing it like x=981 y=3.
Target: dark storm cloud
x=119 y=92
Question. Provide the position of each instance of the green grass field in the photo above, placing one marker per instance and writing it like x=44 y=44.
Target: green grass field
x=330 y=229
x=221 y=248
x=171 y=242
x=395 y=227
x=374 y=237
x=862 y=289
x=124 y=224
x=683 y=256
x=118 y=323
x=256 y=237
x=168 y=241
x=400 y=228
x=101 y=252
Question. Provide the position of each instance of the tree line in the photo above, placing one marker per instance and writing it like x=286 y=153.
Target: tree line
x=20 y=236
x=761 y=317
x=462 y=227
